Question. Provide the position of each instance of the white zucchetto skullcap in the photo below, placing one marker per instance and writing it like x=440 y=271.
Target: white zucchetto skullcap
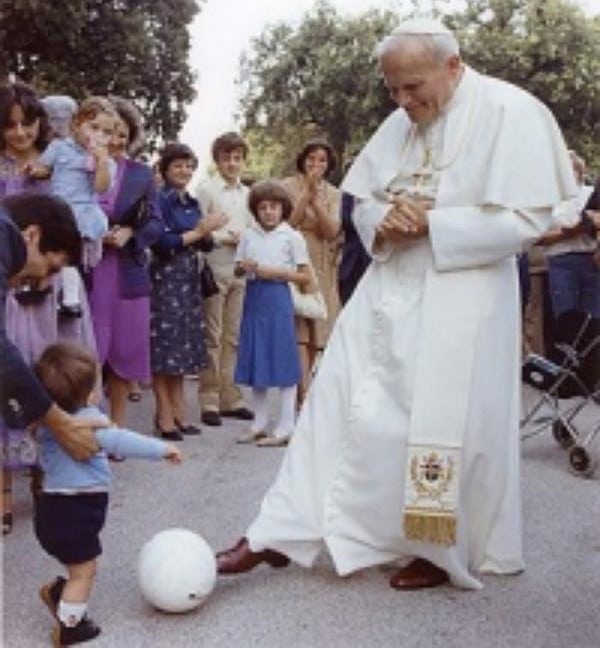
x=422 y=26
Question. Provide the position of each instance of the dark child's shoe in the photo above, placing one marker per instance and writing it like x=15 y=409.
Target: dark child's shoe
x=241 y=413
x=212 y=418
x=418 y=574
x=28 y=296
x=50 y=594
x=241 y=558
x=189 y=430
x=72 y=311
x=85 y=630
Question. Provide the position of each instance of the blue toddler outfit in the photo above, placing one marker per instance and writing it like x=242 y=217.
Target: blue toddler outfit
x=71 y=510
x=73 y=170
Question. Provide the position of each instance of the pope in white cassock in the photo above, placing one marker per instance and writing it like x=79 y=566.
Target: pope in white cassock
x=407 y=447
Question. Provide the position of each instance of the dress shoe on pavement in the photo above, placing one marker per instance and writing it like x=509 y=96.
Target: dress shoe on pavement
x=189 y=430
x=212 y=418
x=241 y=558
x=417 y=575
x=72 y=311
x=242 y=413
x=272 y=441
x=251 y=437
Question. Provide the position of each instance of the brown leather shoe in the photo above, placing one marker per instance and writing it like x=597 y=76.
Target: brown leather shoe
x=241 y=558
x=417 y=575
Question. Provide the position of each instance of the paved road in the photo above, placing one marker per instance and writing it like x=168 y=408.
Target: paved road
x=216 y=492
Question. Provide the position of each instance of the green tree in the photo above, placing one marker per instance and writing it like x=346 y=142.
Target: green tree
x=548 y=47
x=135 y=48
x=317 y=80
x=321 y=77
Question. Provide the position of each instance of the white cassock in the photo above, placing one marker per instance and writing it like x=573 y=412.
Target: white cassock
x=429 y=343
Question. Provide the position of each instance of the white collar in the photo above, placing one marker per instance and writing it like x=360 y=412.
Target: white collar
x=224 y=185
x=282 y=228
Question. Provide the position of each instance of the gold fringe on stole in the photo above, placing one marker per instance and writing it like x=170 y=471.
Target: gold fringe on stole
x=430 y=526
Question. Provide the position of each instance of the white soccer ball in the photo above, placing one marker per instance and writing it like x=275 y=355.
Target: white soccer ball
x=177 y=570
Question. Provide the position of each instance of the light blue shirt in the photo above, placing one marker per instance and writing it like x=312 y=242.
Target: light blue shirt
x=73 y=170
x=63 y=473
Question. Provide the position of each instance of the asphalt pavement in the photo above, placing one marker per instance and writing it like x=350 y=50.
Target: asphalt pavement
x=216 y=492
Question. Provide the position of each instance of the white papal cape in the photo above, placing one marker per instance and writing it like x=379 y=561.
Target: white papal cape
x=430 y=339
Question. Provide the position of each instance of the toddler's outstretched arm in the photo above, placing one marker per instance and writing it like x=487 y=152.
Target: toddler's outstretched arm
x=126 y=443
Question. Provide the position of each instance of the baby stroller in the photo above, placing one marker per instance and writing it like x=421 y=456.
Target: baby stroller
x=572 y=371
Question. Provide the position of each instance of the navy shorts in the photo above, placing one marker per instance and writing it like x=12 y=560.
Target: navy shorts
x=68 y=526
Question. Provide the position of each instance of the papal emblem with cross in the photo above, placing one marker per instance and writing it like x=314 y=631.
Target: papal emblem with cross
x=431 y=474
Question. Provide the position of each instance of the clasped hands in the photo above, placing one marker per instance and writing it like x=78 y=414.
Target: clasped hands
x=405 y=221
x=269 y=273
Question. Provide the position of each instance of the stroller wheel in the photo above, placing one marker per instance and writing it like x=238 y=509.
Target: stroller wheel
x=562 y=435
x=581 y=462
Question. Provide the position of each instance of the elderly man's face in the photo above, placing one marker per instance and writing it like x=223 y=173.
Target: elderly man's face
x=418 y=82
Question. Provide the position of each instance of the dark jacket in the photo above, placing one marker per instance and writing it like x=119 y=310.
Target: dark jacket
x=355 y=259
x=137 y=192
x=180 y=215
x=23 y=399
x=593 y=204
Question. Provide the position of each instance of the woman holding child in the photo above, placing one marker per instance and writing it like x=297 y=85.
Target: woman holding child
x=33 y=320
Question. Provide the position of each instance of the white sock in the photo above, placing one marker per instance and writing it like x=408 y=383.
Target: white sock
x=70 y=614
x=70 y=281
x=287 y=409
x=261 y=410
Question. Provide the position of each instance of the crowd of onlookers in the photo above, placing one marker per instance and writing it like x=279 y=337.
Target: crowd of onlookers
x=159 y=290
x=159 y=293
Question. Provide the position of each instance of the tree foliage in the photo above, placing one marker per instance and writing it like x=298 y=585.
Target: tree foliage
x=321 y=77
x=548 y=47
x=134 y=48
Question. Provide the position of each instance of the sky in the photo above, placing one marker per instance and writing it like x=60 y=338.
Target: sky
x=221 y=32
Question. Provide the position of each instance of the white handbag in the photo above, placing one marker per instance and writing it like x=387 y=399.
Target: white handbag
x=309 y=305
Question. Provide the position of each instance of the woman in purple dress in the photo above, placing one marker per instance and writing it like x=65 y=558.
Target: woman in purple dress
x=32 y=320
x=120 y=287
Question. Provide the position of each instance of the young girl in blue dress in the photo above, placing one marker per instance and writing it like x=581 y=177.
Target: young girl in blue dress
x=270 y=255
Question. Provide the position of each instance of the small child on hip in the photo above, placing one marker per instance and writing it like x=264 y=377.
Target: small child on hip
x=80 y=168
x=71 y=510
x=270 y=254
